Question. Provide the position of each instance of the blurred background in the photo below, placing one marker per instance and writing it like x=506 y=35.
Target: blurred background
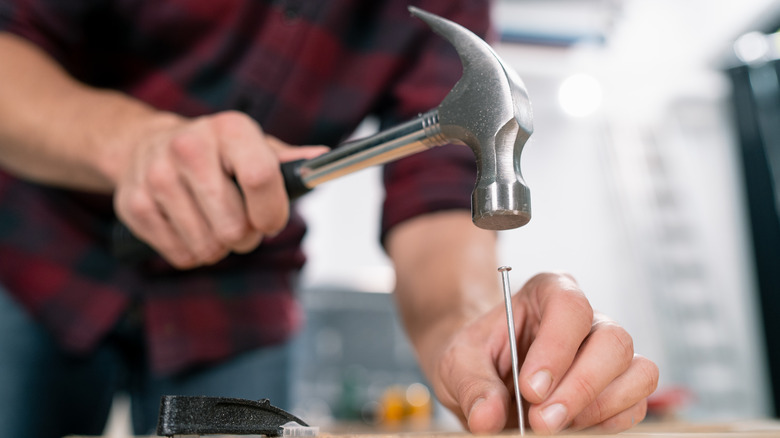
x=653 y=169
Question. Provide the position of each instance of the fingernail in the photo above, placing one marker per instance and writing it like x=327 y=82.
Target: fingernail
x=476 y=403
x=540 y=383
x=554 y=416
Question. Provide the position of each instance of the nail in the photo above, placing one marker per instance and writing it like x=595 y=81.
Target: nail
x=477 y=402
x=554 y=416
x=540 y=383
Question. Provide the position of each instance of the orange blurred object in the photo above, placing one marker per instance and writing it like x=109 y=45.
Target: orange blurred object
x=406 y=408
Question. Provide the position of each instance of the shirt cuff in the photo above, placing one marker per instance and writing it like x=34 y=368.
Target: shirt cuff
x=438 y=179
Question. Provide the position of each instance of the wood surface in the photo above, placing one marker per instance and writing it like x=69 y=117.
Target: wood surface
x=741 y=429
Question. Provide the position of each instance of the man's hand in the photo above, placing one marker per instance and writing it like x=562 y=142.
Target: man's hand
x=178 y=192
x=578 y=369
x=172 y=177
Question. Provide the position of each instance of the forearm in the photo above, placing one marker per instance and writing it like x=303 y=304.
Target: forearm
x=443 y=268
x=57 y=131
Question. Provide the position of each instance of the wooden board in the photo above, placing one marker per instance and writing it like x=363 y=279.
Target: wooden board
x=742 y=429
x=738 y=429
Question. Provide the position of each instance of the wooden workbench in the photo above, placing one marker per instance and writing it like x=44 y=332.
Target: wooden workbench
x=742 y=429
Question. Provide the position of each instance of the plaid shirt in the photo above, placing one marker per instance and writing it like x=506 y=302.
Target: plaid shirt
x=307 y=70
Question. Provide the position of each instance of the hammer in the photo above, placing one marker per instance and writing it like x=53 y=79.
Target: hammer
x=488 y=110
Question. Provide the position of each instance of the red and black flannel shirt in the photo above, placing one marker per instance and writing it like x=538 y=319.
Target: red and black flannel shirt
x=307 y=70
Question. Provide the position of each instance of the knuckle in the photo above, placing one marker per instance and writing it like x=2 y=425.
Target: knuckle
x=233 y=120
x=279 y=222
x=618 y=337
x=206 y=248
x=555 y=277
x=564 y=285
x=625 y=420
x=467 y=392
x=584 y=387
x=542 y=277
x=581 y=306
x=259 y=176
x=187 y=148
x=138 y=205
x=248 y=243
x=159 y=177
x=649 y=372
x=591 y=415
x=465 y=388
x=641 y=413
x=624 y=341
x=205 y=254
x=600 y=409
x=232 y=233
x=270 y=220
x=212 y=254
x=181 y=259
x=576 y=305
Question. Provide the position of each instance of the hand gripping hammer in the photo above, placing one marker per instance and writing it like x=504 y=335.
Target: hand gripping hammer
x=488 y=110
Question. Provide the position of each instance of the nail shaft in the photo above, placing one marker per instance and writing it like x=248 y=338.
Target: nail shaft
x=510 y=321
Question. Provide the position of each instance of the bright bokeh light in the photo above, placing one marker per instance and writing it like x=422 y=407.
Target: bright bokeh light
x=418 y=395
x=751 y=47
x=580 y=95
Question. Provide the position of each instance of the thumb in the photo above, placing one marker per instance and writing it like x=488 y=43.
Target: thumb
x=286 y=152
x=472 y=381
x=487 y=414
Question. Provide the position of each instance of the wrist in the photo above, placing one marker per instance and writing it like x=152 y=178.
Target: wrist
x=138 y=128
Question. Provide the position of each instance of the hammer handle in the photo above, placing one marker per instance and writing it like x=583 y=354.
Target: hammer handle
x=416 y=135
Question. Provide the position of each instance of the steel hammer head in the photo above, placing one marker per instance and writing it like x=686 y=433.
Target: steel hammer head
x=489 y=111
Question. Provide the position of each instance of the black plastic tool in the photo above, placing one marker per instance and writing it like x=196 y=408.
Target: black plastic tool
x=201 y=415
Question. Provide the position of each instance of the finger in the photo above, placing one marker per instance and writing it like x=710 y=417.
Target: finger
x=217 y=197
x=177 y=205
x=285 y=152
x=624 y=420
x=470 y=386
x=482 y=397
x=487 y=414
x=564 y=318
x=630 y=389
x=170 y=246
x=605 y=355
x=247 y=154
x=250 y=241
x=141 y=215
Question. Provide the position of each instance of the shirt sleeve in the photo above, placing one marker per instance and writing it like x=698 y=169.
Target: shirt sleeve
x=56 y=26
x=441 y=178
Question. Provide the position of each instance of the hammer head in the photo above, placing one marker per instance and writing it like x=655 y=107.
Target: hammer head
x=489 y=111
